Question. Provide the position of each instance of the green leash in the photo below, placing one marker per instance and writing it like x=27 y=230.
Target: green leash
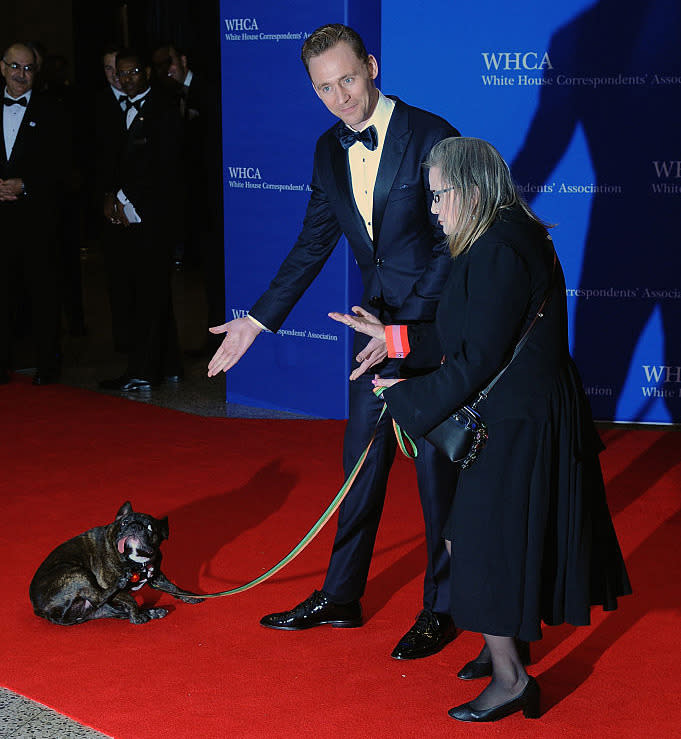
x=312 y=533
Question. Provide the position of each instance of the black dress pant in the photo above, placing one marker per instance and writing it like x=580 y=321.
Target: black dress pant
x=28 y=261
x=139 y=261
x=360 y=512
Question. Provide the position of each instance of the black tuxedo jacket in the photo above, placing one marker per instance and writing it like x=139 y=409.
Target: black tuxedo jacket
x=203 y=148
x=41 y=153
x=406 y=265
x=145 y=161
x=109 y=129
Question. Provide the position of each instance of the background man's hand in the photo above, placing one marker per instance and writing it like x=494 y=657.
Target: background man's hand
x=109 y=207
x=120 y=214
x=240 y=334
x=11 y=189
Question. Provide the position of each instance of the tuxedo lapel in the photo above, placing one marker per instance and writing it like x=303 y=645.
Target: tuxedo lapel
x=27 y=122
x=3 y=153
x=341 y=175
x=396 y=140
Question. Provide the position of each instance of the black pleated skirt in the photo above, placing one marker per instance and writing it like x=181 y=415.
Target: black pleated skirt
x=532 y=537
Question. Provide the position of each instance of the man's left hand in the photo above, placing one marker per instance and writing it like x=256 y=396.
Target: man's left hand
x=11 y=189
x=372 y=354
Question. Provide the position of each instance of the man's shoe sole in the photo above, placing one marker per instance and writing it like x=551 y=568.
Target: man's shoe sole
x=335 y=624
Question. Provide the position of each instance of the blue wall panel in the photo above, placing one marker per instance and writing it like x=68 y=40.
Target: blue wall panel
x=271 y=121
x=581 y=98
x=583 y=101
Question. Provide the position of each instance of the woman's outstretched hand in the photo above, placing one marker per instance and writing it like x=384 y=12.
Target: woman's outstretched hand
x=385 y=381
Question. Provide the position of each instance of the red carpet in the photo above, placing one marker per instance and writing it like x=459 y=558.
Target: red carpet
x=239 y=495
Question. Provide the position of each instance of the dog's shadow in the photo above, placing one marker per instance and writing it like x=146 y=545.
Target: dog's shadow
x=200 y=529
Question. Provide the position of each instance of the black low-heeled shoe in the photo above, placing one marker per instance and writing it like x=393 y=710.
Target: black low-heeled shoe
x=474 y=670
x=527 y=702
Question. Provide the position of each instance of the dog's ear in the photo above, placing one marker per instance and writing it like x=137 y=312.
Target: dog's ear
x=125 y=510
x=163 y=527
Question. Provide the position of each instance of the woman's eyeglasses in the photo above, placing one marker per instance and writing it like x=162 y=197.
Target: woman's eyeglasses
x=438 y=193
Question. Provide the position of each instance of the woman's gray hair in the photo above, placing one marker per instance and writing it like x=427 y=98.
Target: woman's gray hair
x=483 y=183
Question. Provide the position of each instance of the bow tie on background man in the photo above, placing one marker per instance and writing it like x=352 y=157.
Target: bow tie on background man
x=20 y=101
x=368 y=137
x=136 y=104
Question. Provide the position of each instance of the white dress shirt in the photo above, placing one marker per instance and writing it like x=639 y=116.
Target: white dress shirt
x=364 y=163
x=132 y=112
x=120 y=96
x=364 y=168
x=128 y=207
x=12 y=116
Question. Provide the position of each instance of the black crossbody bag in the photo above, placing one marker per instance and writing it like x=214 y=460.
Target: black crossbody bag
x=462 y=436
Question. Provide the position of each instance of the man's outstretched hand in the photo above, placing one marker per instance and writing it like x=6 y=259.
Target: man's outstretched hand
x=239 y=335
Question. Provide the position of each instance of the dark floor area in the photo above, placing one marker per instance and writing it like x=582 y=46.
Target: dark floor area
x=89 y=358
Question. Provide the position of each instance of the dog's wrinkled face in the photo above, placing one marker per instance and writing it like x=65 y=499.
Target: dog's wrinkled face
x=138 y=536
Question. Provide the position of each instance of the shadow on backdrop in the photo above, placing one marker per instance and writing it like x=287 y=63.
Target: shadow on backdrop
x=616 y=73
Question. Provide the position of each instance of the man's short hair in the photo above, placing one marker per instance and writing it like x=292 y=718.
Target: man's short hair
x=23 y=45
x=326 y=37
x=109 y=49
x=131 y=53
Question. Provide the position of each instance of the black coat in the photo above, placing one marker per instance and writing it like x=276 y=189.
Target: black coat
x=531 y=534
x=146 y=163
x=41 y=155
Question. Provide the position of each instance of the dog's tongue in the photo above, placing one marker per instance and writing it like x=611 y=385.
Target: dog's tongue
x=122 y=542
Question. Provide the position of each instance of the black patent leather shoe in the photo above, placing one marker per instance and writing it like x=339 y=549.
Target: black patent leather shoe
x=527 y=702
x=316 y=610
x=125 y=384
x=474 y=670
x=431 y=632
x=45 y=378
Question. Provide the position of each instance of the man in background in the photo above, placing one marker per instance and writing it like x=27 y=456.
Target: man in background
x=141 y=184
x=34 y=166
x=202 y=240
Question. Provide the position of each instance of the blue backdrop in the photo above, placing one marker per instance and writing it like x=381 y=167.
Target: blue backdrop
x=581 y=98
x=271 y=121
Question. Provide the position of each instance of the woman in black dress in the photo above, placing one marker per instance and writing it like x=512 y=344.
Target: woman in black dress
x=530 y=534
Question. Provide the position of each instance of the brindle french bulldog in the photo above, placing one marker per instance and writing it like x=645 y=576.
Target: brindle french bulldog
x=91 y=575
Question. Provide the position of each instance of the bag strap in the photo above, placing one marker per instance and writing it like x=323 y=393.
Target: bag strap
x=539 y=314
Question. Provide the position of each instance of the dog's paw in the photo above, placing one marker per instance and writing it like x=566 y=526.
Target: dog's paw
x=156 y=612
x=147 y=615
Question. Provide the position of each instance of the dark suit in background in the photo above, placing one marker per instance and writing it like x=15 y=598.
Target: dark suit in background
x=108 y=134
x=29 y=228
x=403 y=272
x=204 y=240
x=145 y=163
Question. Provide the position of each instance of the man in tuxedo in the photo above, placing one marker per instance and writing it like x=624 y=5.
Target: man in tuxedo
x=34 y=166
x=199 y=105
x=109 y=130
x=368 y=183
x=141 y=184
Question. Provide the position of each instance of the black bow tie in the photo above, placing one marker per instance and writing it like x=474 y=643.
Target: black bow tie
x=136 y=104
x=368 y=137
x=20 y=101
